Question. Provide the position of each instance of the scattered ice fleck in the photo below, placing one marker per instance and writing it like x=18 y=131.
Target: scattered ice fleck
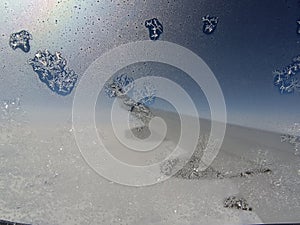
x=20 y=40
x=294 y=129
x=155 y=28
x=12 y=121
x=9 y=108
x=293 y=137
x=53 y=71
x=209 y=24
x=298 y=29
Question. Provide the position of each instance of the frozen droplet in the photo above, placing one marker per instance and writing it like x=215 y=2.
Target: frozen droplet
x=209 y=24
x=155 y=28
x=20 y=40
x=53 y=71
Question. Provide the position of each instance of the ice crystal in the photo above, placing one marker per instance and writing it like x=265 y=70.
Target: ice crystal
x=146 y=94
x=155 y=28
x=53 y=71
x=237 y=203
x=120 y=85
x=20 y=40
x=209 y=24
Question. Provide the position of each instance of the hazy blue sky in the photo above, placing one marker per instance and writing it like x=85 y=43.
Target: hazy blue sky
x=253 y=38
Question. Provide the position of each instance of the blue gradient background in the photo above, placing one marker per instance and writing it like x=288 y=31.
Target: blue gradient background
x=253 y=38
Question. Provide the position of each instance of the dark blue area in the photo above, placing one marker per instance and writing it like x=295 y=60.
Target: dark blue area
x=64 y=89
x=5 y=222
x=25 y=48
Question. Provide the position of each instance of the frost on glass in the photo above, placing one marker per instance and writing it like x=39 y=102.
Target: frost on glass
x=20 y=40
x=155 y=28
x=167 y=167
x=191 y=169
x=53 y=71
x=123 y=87
x=119 y=86
x=145 y=93
x=12 y=122
x=209 y=24
x=285 y=78
x=298 y=28
x=293 y=137
x=237 y=203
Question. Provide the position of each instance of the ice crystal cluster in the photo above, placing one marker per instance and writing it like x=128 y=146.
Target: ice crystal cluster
x=145 y=94
x=237 y=203
x=209 y=24
x=53 y=71
x=155 y=28
x=121 y=85
x=298 y=29
x=20 y=40
x=285 y=79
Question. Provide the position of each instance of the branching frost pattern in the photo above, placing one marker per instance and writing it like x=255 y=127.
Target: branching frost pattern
x=285 y=79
